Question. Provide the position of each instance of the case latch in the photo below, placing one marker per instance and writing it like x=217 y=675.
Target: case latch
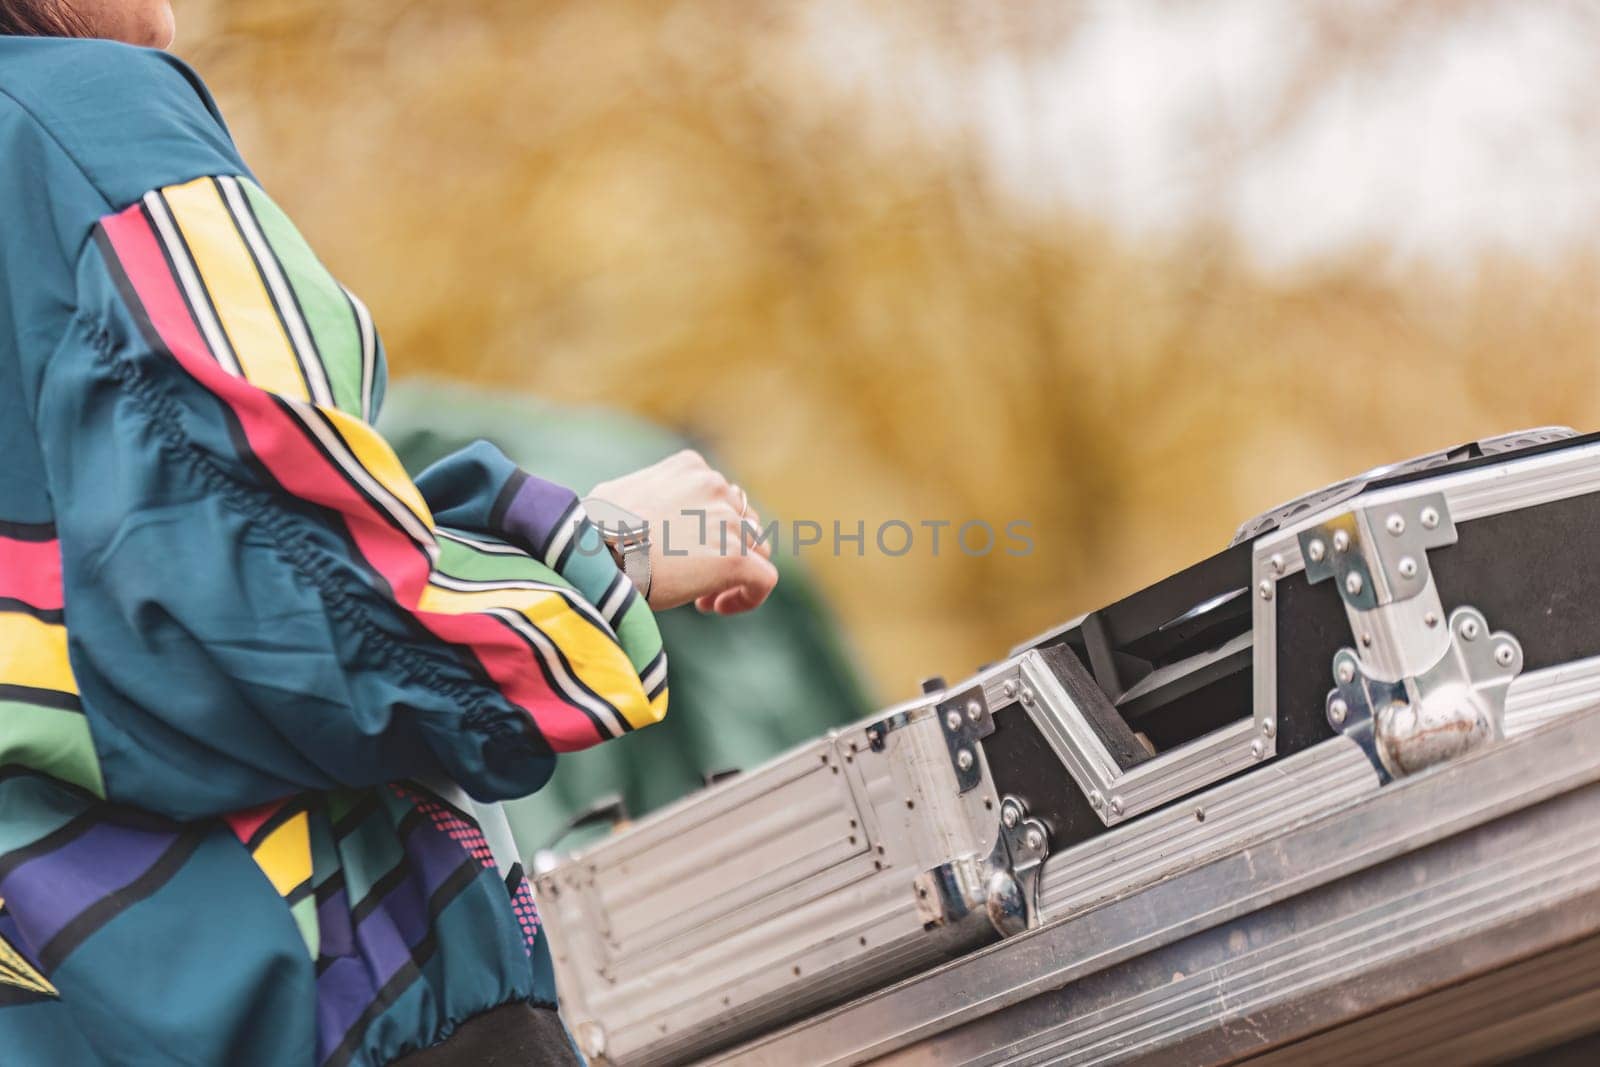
x=1418 y=688
x=1001 y=887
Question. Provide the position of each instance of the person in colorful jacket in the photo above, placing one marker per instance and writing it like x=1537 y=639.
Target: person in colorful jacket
x=260 y=691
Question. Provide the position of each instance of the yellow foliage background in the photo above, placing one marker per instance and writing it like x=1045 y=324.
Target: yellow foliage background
x=662 y=207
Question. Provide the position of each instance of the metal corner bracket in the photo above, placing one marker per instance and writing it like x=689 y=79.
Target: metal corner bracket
x=1453 y=707
x=1418 y=688
x=1000 y=888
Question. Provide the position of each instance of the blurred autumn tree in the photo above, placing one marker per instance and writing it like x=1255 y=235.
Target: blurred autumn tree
x=666 y=207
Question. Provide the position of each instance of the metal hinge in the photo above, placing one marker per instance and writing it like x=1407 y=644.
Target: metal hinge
x=1418 y=688
x=1002 y=887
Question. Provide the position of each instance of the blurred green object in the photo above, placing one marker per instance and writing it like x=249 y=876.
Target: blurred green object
x=743 y=688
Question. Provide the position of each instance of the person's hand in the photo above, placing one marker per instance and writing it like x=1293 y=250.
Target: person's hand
x=694 y=514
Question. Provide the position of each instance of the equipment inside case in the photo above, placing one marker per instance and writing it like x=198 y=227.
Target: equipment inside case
x=1353 y=637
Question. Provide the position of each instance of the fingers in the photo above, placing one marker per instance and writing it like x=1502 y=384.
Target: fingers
x=743 y=585
x=734 y=535
x=714 y=486
x=736 y=601
x=754 y=541
x=757 y=577
x=687 y=458
x=707 y=479
x=751 y=534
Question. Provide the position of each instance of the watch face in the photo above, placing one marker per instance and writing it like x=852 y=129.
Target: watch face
x=615 y=523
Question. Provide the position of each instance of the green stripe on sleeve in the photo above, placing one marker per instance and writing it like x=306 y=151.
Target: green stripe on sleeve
x=52 y=740
x=326 y=309
x=467 y=563
x=305 y=917
x=639 y=634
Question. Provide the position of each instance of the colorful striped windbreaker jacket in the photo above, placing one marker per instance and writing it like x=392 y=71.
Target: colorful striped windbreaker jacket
x=246 y=664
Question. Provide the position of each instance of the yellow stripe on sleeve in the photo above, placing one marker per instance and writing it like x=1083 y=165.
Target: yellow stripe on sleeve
x=237 y=290
x=378 y=459
x=596 y=659
x=658 y=711
x=285 y=856
x=34 y=654
x=15 y=970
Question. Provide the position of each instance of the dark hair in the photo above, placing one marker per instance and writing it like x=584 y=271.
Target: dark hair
x=39 y=18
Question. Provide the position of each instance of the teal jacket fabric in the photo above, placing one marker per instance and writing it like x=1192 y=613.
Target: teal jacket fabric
x=258 y=687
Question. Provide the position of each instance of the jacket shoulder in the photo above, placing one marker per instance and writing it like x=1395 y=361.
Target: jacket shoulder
x=131 y=119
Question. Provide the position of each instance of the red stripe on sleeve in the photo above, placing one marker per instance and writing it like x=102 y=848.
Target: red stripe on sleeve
x=245 y=823
x=30 y=571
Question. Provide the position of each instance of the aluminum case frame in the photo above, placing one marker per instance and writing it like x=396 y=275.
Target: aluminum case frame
x=1230 y=808
x=846 y=862
x=1430 y=887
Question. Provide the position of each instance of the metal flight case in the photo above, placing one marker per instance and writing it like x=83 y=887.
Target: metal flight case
x=1340 y=767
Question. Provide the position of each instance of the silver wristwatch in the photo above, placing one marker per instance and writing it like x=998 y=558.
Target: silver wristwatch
x=628 y=537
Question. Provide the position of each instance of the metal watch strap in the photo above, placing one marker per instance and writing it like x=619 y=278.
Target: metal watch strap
x=636 y=565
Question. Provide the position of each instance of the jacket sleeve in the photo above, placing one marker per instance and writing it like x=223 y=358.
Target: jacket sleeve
x=258 y=599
